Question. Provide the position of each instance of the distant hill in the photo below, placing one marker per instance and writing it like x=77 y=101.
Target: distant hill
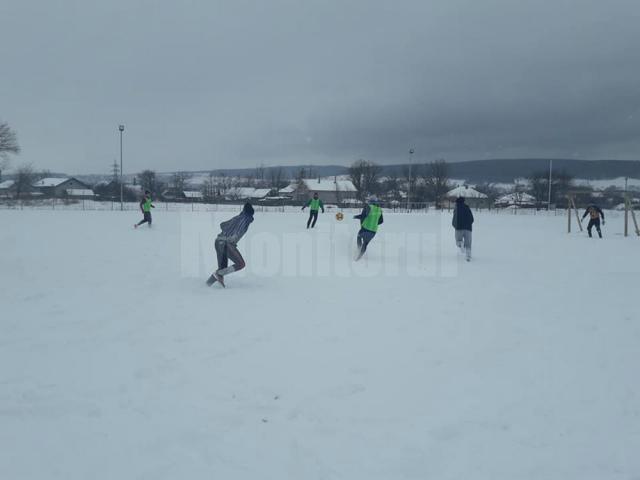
x=506 y=170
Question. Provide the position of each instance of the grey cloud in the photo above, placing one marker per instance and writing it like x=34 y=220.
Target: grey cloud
x=235 y=83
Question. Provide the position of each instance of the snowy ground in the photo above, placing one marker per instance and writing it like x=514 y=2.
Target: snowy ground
x=116 y=362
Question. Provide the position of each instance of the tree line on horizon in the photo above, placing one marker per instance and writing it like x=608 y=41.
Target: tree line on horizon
x=421 y=183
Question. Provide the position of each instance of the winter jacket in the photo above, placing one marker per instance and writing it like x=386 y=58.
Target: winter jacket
x=462 y=217
x=594 y=212
x=235 y=228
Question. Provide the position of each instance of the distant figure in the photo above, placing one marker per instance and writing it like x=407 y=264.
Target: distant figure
x=462 y=222
x=226 y=244
x=145 y=208
x=370 y=218
x=595 y=213
x=314 y=205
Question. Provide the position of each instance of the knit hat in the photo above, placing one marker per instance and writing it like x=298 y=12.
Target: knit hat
x=248 y=208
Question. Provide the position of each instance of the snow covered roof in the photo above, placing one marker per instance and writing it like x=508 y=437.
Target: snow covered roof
x=329 y=185
x=288 y=189
x=249 y=192
x=80 y=192
x=7 y=184
x=466 y=192
x=193 y=194
x=517 y=198
x=50 y=182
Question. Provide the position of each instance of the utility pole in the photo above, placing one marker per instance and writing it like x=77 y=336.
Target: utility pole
x=626 y=207
x=550 y=170
x=410 y=177
x=121 y=128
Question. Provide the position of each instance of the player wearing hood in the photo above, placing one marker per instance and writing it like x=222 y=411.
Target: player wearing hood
x=226 y=244
x=462 y=222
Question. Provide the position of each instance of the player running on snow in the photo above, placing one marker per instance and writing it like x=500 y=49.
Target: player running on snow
x=145 y=208
x=595 y=213
x=462 y=222
x=370 y=218
x=226 y=244
x=314 y=205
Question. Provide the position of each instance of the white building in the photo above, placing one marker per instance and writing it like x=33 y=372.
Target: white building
x=516 y=199
x=329 y=190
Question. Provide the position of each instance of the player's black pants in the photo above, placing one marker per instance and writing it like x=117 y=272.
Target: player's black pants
x=225 y=251
x=147 y=218
x=364 y=237
x=313 y=215
x=594 y=222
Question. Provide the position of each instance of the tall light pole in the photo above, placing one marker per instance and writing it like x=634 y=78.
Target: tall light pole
x=121 y=128
x=410 y=176
x=550 y=170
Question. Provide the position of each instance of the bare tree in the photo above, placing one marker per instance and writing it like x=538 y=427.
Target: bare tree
x=259 y=176
x=8 y=144
x=364 y=176
x=179 y=181
x=8 y=140
x=561 y=185
x=148 y=181
x=437 y=181
x=209 y=187
x=539 y=186
x=276 y=180
x=490 y=190
x=24 y=179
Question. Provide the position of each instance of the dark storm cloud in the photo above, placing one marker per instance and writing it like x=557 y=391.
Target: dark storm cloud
x=205 y=84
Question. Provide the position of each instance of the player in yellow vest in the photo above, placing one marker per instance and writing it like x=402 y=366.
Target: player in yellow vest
x=370 y=218
x=145 y=208
x=314 y=205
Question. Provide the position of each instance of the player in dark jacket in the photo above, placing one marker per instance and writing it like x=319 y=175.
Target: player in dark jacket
x=226 y=244
x=462 y=222
x=595 y=214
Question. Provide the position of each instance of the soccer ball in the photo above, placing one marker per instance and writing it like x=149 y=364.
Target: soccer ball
x=339 y=216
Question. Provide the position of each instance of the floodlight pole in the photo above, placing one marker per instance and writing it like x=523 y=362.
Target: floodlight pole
x=410 y=176
x=627 y=206
x=550 y=170
x=121 y=128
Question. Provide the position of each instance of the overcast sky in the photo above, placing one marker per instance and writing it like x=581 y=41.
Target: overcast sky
x=204 y=84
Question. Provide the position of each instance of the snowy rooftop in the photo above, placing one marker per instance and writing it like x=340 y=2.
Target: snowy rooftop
x=249 y=192
x=465 y=191
x=329 y=185
x=288 y=189
x=193 y=194
x=79 y=192
x=50 y=182
x=516 y=198
x=7 y=184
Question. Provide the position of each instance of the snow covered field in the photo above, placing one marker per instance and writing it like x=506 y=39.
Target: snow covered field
x=116 y=362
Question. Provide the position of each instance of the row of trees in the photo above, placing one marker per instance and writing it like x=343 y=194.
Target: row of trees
x=428 y=182
x=8 y=145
